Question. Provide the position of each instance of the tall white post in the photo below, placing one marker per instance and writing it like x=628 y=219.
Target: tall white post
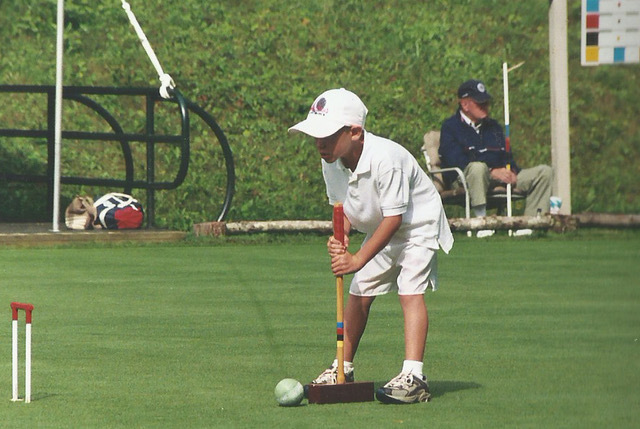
x=58 y=116
x=559 y=77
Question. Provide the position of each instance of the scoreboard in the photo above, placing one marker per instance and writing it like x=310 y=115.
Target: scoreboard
x=610 y=32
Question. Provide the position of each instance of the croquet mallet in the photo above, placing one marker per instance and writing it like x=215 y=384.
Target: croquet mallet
x=342 y=391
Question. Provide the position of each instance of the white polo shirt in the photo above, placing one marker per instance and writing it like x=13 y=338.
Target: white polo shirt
x=388 y=181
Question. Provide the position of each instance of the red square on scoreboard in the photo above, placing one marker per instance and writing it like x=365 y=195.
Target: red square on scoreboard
x=593 y=20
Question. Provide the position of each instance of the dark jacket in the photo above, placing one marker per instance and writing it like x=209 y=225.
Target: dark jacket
x=460 y=145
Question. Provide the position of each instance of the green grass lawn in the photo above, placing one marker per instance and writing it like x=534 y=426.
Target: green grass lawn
x=528 y=332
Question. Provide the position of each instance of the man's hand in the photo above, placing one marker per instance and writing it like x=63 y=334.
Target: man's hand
x=503 y=175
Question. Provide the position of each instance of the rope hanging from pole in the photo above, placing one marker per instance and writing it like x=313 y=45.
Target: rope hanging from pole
x=167 y=83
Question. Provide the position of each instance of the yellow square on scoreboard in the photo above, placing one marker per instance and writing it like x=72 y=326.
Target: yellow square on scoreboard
x=591 y=54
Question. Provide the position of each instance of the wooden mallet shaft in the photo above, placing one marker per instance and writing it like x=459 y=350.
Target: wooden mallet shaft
x=338 y=234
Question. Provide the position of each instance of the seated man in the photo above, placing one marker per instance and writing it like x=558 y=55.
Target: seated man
x=475 y=143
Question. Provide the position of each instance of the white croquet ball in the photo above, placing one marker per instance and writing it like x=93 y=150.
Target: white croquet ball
x=289 y=392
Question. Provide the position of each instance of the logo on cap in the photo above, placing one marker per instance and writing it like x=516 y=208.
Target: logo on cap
x=481 y=87
x=320 y=107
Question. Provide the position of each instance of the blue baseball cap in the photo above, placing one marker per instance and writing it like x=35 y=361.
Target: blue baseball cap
x=474 y=89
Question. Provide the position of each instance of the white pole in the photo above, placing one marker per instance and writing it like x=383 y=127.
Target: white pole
x=559 y=77
x=14 y=360
x=27 y=365
x=58 y=116
x=505 y=82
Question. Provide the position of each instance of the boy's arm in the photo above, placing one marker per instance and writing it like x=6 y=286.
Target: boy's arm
x=343 y=262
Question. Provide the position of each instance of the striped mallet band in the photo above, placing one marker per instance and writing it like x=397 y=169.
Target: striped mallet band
x=340 y=332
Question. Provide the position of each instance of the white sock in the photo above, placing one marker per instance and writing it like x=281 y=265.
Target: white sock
x=480 y=211
x=412 y=367
x=348 y=366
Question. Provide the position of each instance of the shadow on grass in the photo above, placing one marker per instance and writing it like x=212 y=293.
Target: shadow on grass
x=442 y=387
x=38 y=396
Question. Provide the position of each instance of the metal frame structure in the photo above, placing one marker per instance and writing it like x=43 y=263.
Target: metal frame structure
x=82 y=94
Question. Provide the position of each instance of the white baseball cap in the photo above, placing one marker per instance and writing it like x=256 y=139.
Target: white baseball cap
x=330 y=111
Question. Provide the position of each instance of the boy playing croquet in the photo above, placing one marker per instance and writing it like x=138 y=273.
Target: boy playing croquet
x=389 y=197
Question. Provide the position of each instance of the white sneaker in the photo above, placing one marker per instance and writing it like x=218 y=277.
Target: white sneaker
x=485 y=233
x=330 y=376
x=404 y=389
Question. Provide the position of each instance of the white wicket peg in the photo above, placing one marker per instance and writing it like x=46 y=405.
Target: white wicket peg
x=28 y=309
x=27 y=364
x=14 y=359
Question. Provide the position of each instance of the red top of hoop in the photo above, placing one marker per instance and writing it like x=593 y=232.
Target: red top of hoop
x=15 y=306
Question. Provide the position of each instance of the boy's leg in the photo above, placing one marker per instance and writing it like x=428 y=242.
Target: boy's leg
x=419 y=272
x=356 y=315
x=410 y=385
x=372 y=280
x=416 y=326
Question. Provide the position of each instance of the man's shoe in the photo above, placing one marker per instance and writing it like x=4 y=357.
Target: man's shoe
x=404 y=389
x=330 y=376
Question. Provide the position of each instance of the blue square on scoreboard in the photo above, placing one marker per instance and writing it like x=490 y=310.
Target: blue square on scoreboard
x=593 y=5
x=618 y=55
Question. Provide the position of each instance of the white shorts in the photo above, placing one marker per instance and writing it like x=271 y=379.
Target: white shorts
x=408 y=268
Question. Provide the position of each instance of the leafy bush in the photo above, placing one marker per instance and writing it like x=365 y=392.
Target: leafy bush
x=256 y=67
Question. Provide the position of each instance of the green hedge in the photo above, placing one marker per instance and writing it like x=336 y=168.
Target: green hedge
x=256 y=67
